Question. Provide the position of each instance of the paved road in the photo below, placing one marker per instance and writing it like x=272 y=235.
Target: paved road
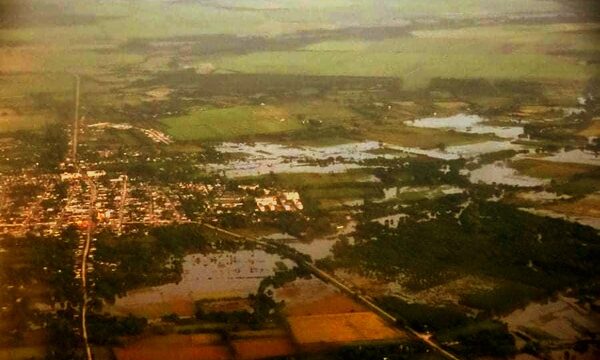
x=84 y=265
x=328 y=278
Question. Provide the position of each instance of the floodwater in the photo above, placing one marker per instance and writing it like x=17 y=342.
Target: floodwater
x=576 y=156
x=392 y=221
x=213 y=276
x=563 y=319
x=264 y=158
x=462 y=151
x=471 y=124
x=321 y=248
x=500 y=173
x=542 y=196
x=590 y=221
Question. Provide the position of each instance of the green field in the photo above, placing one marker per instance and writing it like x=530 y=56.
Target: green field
x=119 y=20
x=512 y=52
x=294 y=181
x=228 y=123
x=13 y=123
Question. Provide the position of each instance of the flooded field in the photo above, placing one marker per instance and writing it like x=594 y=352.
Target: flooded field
x=461 y=151
x=560 y=320
x=204 y=277
x=318 y=248
x=500 y=173
x=471 y=124
x=590 y=221
x=576 y=157
x=265 y=158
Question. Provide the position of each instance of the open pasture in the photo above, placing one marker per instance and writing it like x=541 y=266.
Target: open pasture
x=229 y=123
x=535 y=52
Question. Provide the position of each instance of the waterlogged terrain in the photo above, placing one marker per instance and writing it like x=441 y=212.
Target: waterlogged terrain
x=214 y=276
x=264 y=158
x=472 y=124
x=500 y=173
x=433 y=161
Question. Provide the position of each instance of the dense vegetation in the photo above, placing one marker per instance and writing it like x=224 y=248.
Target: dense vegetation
x=474 y=336
x=481 y=238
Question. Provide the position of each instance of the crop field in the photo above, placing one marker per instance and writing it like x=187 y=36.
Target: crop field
x=588 y=206
x=549 y=169
x=11 y=121
x=118 y=21
x=228 y=123
x=312 y=297
x=18 y=353
x=517 y=52
x=180 y=347
x=315 y=180
x=262 y=348
x=421 y=137
x=592 y=130
x=314 y=330
x=156 y=307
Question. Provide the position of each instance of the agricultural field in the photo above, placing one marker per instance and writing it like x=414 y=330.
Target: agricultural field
x=11 y=121
x=229 y=123
x=259 y=179
x=262 y=348
x=508 y=52
x=550 y=170
x=314 y=331
x=174 y=346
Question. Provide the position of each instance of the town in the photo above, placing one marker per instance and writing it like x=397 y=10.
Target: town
x=246 y=180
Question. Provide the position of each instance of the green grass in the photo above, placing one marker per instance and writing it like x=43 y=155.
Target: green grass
x=88 y=62
x=296 y=181
x=343 y=192
x=415 y=68
x=228 y=123
x=510 y=51
x=161 y=19
x=24 y=122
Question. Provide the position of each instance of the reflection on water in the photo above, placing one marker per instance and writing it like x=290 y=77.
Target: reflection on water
x=500 y=173
x=462 y=151
x=472 y=124
x=576 y=156
x=206 y=276
x=264 y=158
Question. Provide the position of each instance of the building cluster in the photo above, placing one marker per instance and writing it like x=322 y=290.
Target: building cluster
x=153 y=134
x=29 y=203
x=121 y=201
x=282 y=201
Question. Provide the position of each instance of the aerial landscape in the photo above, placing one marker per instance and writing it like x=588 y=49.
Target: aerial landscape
x=299 y=179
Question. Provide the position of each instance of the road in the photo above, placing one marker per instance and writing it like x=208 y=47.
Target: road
x=84 y=265
x=330 y=279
